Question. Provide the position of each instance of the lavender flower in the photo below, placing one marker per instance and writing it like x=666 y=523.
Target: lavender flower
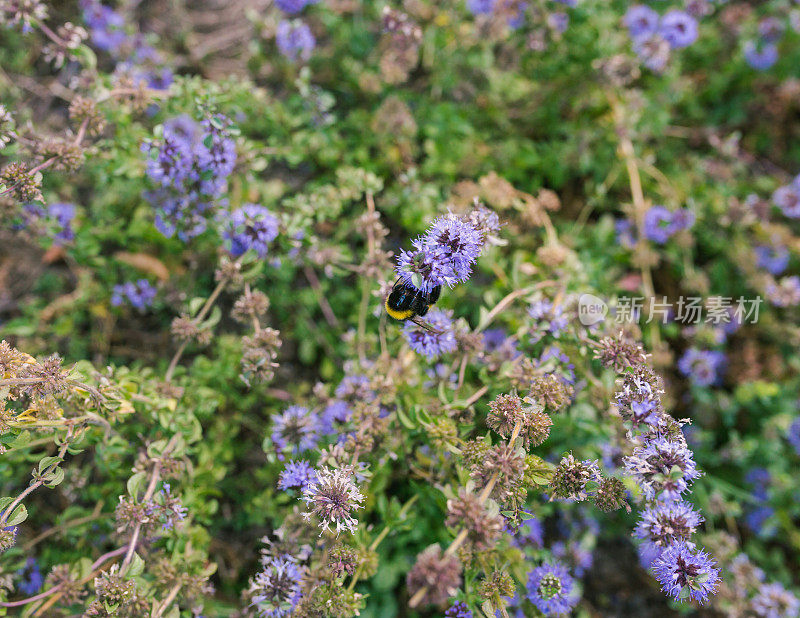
x=481 y=7
x=447 y=251
x=678 y=28
x=170 y=508
x=550 y=589
x=666 y=522
x=296 y=474
x=295 y=40
x=704 y=367
x=276 y=590
x=774 y=601
x=686 y=573
x=190 y=165
x=297 y=428
x=625 y=233
x=459 y=609
x=432 y=344
x=139 y=294
x=784 y=293
x=31 y=579
x=56 y=219
x=653 y=50
x=250 y=227
x=760 y=55
x=773 y=258
x=293 y=6
x=660 y=223
x=641 y=20
x=787 y=198
x=107 y=27
x=332 y=498
x=793 y=435
x=662 y=467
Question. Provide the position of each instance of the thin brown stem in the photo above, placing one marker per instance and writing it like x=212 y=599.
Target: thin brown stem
x=462 y=535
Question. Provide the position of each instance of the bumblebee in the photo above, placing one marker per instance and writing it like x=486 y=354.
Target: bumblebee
x=405 y=302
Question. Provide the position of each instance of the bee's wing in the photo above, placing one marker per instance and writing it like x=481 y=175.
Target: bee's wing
x=424 y=325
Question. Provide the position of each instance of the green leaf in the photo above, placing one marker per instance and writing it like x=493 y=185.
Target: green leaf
x=19 y=515
x=404 y=420
x=136 y=567
x=135 y=484
x=54 y=478
x=46 y=462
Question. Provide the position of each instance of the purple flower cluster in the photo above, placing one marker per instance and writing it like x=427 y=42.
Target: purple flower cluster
x=56 y=219
x=139 y=294
x=772 y=258
x=106 y=26
x=295 y=40
x=297 y=428
x=138 y=60
x=660 y=223
x=685 y=572
x=793 y=435
x=784 y=293
x=458 y=609
x=190 y=164
x=550 y=589
x=444 y=256
x=654 y=36
x=250 y=227
x=703 y=367
x=762 y=53
x=296 y=474
x=293 y=6
x=787 y=198
x=663 y=467
x=276 y=589
x=31 y=579
x=441 y=339
x=549 y=319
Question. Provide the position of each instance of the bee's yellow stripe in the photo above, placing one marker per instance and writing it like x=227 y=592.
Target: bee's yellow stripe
x=397 y=315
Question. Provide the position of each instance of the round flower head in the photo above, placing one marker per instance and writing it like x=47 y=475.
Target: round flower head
x=295 y=40
x=571 y=477
x=685 y=572
x=678 y=28
x=425 y=268
x=760 y=56
x=297 y=428
x=332 y=498
x=663 y=468
x=704 y=367
x=774 y=601
x=550 y=589
x=296 y=474
x=787 y=198
x=432 y=343
x=276 y=590
x=773 y=259
x=664 y=523
x=784 y=293
x=455 y=240
x=653 y=50
x=658 y=224
x=250 y=227
x=641 y=20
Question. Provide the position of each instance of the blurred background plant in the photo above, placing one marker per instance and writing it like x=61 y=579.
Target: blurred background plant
x=203 y=205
